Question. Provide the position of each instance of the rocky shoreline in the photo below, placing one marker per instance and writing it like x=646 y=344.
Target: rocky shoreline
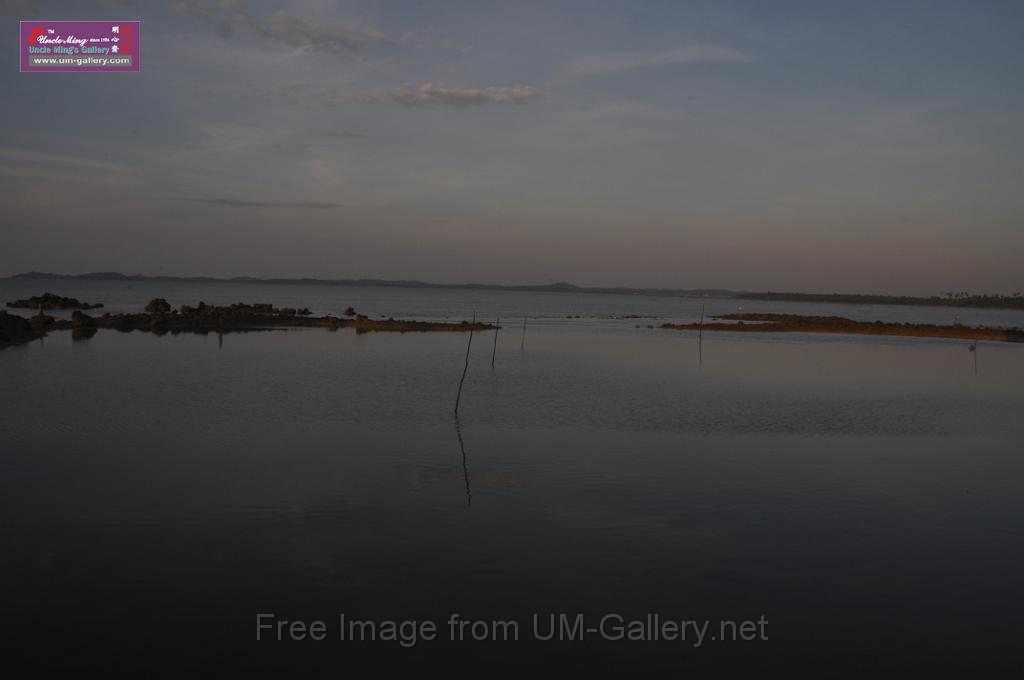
x=796 y=323
x=51 y=301
x=15 y=330
x=160 y=318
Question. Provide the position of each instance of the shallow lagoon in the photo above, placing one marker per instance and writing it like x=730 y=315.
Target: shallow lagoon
x=862 y=494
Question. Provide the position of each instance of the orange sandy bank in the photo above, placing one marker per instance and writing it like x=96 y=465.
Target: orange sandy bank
x=795 y=323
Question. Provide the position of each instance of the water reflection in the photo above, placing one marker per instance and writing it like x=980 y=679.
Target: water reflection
x=465 y=464
x=494 y=350
x=700 y=341
x=817 y=480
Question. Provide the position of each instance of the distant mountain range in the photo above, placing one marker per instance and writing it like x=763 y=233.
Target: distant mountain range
x=1015 y=301
x=561 y=287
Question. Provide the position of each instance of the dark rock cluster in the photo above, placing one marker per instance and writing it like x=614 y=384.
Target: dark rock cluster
x=51 y=301
x=16 y=329
x=158 y=306
x=160 y=318
x=241 y=316
x=83 y=326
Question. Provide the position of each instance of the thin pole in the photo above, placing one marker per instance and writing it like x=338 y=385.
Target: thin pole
x=465 y=464
x=466 y=367
x=700 y=337
x=522 y=343
x=497 y=325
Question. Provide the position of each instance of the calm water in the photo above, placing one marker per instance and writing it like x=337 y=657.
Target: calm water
x=863 y=495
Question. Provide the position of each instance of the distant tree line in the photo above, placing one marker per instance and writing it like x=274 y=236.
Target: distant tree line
x=949 y=299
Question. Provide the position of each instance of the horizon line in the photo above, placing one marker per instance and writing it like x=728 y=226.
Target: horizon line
x=553 y=286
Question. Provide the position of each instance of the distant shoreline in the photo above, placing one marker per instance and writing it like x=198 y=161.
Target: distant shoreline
x=960 y=300
x=963 y=300
x=797 y=323
x=160 y=318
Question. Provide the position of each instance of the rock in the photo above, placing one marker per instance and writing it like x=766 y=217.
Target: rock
x=51 y=301
x=205 y=318
x=349 y=311
x=82 y=320
x=158 y=305
x=15 y=329
x=41 y=320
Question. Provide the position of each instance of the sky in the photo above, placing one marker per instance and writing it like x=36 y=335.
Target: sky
x=871 y=147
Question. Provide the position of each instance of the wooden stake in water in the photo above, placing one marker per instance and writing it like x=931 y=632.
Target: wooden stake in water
x=465 y=463
x=700 y=337
x=497 y=325
x=522 y=343
x=465 y=368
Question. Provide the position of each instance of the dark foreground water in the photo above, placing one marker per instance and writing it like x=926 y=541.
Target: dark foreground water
x=852 y=505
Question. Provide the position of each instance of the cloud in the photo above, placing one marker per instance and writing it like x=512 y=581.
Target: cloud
x=47 y=167
x=346 y=134
x=213 y=13
x=228 y=16
x=53 y=177
x=241 y=203
x=595 y=65
x=60 y=161
x=427 y=94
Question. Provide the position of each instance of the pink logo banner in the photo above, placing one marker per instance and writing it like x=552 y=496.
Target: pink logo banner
x=77 y=46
